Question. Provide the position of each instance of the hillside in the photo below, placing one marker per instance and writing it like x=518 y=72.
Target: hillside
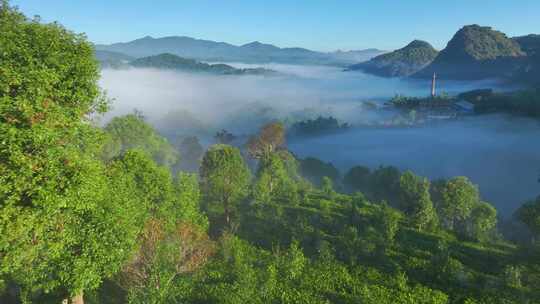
x=254 y=52
x=530 y=71
x=477 y=52
x=173 y=62
x=403 y=62
x=112 y=59
x=530 y=44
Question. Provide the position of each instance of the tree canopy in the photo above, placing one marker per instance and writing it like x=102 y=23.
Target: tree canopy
x=62 y=229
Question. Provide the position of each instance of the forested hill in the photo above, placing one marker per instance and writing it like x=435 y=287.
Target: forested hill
x=474 y=52
x=477 y=52
x=173 y=62
x=530 y=44
x=530 y=71
x=403 y=62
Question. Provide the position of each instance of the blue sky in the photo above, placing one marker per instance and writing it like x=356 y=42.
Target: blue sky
x=316 y=24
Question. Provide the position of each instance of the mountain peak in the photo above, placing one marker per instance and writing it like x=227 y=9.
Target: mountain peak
x=419 y=44
x=403 y=62
x=258 y=45
x=482 y=43
x=476 y=52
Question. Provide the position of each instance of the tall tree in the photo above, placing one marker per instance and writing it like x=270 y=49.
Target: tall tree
x=457 y=199
x=387 y=224
x=357 y=179
x=529 y=214
x=385 y=185
x=224 y=178
x=315 y=170
x=482 y=221
x=273 y=181
x=192 y=153
x=61 y=228
x=415 y=201
x=271 y=137
x=189 y=200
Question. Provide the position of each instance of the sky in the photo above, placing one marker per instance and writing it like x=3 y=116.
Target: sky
x=323 y=25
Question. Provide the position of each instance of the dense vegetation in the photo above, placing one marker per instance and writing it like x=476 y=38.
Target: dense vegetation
x=530 y=44
x=173 y=62
x=319 y=126
x=104 y=214
x=408 y=103
x=521 y=102
x=403 y=62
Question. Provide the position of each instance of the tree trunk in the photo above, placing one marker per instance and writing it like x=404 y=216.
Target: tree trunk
x=226 y=209
x=78 y=299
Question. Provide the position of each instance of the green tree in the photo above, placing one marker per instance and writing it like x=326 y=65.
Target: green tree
x=224 y=178
x=189 y=200
x=273 y=182
x=357 y=179
x=482 y=221
x=385 y=185
x=416 y=202
x=327 y=186
x=192 y=152
x=529 y=214
x=152 y=184
x=62 y=228
x=315 y=170
x=387 y=223
x=458 y=198
x=132 y=132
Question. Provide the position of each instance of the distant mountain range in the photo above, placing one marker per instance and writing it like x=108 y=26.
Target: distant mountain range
x=474 y=52
x=254 y=52
x=403 y=62
x=173 y=62
x=356 y=56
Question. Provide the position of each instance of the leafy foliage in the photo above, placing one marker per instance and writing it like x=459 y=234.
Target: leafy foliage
x=224 y=178
x=529 y=214
x=319 y=126
x=315 y=170
x=415 y=201
x=132 y=132
x=62 y=227
x=521 y=102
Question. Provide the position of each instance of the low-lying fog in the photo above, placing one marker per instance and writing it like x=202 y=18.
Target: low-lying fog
x=498 y=154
